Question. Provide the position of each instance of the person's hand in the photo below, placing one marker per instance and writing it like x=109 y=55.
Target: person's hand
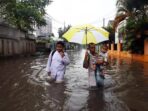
x=93 y=67
x=62 y=54
x=105 y=63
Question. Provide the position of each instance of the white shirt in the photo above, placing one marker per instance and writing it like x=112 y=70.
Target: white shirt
x=58 y=64
x=104 y=55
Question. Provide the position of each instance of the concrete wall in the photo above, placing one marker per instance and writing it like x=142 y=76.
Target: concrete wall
x=146 y=47
x=120 y=53
x=10 y=32
x=13 y=42
x=10 y=47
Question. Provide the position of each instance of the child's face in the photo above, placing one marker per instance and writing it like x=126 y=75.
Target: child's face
x=59 y=48
x=104 y=49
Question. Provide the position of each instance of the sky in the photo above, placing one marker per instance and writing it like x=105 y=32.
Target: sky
x=78 y=12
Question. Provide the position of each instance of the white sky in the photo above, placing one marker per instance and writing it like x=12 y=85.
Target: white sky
x=77 y=12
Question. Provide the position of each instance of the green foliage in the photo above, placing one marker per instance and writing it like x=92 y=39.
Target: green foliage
x=135 y=10
x=24 y=14
x=130 y=24
x=127 y=41
x=137 y=22
x=111 y=33
x=131 y=41
x=51 y=35
x=131 y=5
x=109 y=29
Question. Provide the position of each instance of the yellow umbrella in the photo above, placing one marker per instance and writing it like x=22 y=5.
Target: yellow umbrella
x=85 y=34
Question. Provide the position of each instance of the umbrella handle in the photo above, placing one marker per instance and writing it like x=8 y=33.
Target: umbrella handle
x=86 y=35
x=86 y=38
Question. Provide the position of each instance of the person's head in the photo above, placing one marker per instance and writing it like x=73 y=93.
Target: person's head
x=104 y=48
x=60 y=46
x=92 y=47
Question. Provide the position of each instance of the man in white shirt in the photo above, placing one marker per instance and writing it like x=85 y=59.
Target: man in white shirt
x=57 y=63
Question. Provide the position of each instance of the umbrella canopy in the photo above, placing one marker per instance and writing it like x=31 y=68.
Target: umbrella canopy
x=85 y=34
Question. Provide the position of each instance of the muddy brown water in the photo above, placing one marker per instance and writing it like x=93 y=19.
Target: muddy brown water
x=24 y=86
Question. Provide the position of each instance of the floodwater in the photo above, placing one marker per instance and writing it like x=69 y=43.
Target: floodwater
x=24 y=86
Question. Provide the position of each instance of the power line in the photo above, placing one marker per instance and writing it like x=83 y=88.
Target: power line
x=57 y=21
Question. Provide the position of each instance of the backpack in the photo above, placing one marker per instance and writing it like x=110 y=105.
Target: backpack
x=52 y=53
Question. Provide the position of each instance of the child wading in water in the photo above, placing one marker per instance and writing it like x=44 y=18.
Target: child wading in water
x=57 y=62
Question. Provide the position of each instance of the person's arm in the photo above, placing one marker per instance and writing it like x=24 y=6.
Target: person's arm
x=48 y=63
x=86 y=60
x=65 y=59
x=86 y=56
x=106 y=59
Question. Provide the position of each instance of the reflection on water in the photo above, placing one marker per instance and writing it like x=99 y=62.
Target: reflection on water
x=24 y=86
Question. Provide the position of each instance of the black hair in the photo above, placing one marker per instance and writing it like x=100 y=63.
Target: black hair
x=91 y=44
x=104 y=46
x=61 y=43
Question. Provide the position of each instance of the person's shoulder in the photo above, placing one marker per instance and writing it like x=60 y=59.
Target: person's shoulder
x=101 y=53
x=65 y=53
x=52 y=52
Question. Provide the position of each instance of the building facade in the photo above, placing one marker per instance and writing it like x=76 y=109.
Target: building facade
x=45 y=30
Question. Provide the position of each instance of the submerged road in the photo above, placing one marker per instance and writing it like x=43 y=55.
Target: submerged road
x=24 y=86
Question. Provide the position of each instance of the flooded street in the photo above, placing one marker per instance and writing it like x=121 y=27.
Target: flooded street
x=24 y=86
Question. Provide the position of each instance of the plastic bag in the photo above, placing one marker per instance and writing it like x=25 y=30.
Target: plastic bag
x=86 y=62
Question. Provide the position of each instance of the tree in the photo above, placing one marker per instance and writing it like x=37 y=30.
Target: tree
x=135 y=13
x=61 y=31
x=24 y=14
x=51 y=35
x=133 y=9
x=111 y=33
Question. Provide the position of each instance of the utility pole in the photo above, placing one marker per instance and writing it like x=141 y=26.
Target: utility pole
x=103 y=22
x=64 y=26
